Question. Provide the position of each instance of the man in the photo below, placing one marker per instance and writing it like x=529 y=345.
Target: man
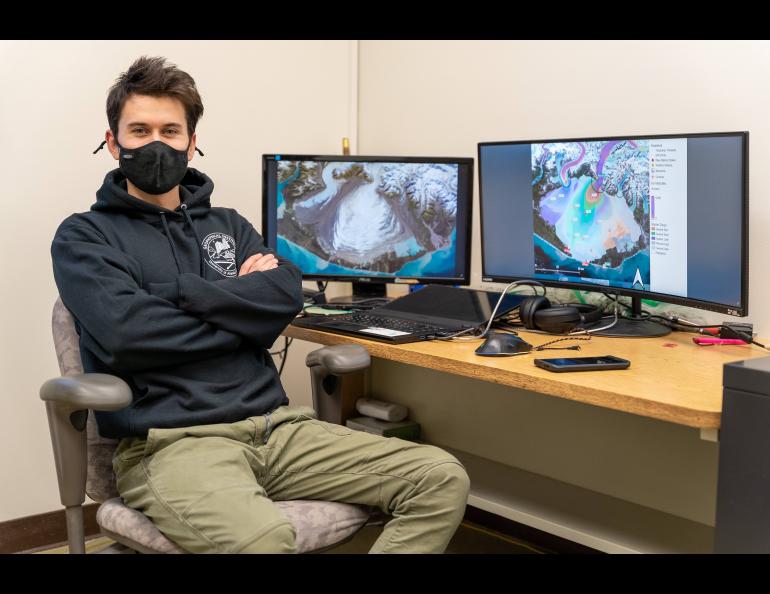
x=182 y=300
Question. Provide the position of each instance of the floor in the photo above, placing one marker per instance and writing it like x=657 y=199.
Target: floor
x=93 y=545
x=470 y=538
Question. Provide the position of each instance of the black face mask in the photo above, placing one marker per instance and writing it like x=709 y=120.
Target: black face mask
x=155 y=167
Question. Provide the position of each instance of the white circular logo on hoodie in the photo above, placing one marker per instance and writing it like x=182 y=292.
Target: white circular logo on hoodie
x=219 y=252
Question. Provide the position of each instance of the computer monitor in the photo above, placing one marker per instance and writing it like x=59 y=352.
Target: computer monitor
x=661 y=217
x=370 y=220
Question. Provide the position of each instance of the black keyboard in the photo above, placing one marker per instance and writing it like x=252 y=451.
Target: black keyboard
x=409 y=326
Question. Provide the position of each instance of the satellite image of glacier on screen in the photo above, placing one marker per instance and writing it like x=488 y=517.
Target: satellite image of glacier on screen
x=591 y=212
x=353 y=218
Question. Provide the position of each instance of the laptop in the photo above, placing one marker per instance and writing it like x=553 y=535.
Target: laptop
x=431 y=312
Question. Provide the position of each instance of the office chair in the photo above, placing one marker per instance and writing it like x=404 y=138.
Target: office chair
x=84 y=458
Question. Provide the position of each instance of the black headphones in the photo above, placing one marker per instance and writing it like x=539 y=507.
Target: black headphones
x=536 y=313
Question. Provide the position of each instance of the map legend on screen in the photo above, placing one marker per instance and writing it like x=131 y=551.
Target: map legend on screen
x=668 y=212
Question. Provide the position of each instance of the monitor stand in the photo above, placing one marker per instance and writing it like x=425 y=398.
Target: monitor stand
x=373 y=294
x=634 y=325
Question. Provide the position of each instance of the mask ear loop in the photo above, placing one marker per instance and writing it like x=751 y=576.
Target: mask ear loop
x=101 y=146
x=200 y=152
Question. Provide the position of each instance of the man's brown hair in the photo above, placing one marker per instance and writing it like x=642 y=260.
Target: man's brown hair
x=152 y=76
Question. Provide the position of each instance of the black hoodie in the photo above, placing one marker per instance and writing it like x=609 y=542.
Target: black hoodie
x=157 y=301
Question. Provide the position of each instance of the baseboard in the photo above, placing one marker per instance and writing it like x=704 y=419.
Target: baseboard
x=42 y=530
x=543 y=540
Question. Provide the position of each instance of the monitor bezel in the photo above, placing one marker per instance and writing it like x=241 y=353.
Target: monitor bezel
x=740 y=311
x=374 y=279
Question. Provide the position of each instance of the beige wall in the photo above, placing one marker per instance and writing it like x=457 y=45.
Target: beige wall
x=259 y=97
x=442 y=98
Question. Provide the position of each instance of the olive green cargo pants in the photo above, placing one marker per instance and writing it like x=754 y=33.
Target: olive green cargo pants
x=209 y=488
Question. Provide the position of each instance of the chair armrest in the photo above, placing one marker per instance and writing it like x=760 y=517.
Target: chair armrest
x=67 y=401
x=337 y=380
x=95 y=391
x=340 y=359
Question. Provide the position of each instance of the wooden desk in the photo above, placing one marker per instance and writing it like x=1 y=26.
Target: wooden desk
x=670 y=378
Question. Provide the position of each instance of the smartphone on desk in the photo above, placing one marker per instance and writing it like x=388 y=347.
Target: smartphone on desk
x=604 y=363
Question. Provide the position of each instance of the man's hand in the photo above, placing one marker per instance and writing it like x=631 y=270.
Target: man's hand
x=258 y=263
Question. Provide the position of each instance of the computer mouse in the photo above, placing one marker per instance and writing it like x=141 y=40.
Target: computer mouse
x=503 y=344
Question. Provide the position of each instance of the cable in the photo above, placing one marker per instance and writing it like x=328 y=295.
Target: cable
x=345 y=305
x=616 y=299
x=373 y=300
x=455 y=336
x=649 y=316
x=283 y=353
x=687 y=323
x=461 y=332
x=531 y=283
x=645 y=314
x=282 y=350
x=675 y=322
x=368 y=303
x=545 y=347
x=502 y=325
x=607 y=327
x=682 y=325
x=517 y=319
x=285 y=356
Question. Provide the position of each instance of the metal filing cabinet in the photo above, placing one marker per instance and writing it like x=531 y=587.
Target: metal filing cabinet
x=743 y=488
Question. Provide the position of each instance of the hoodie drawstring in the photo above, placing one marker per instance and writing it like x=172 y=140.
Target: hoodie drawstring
x=170 y=241
x=195 y=233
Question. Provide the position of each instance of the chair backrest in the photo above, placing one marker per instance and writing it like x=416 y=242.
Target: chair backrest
x=100 y=481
